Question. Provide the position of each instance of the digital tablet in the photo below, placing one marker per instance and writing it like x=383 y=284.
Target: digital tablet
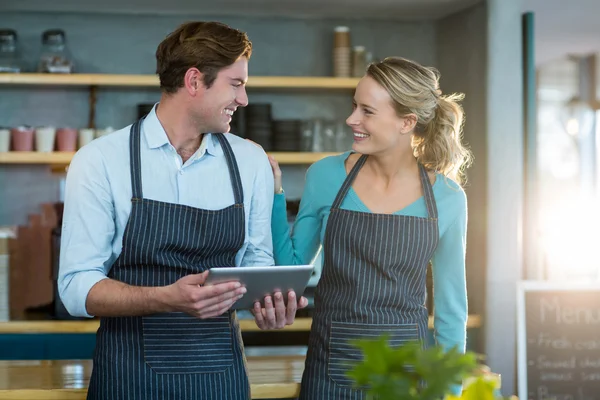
x=263 y=281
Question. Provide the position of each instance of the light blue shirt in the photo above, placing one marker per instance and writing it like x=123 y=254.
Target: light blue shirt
x=98 y=200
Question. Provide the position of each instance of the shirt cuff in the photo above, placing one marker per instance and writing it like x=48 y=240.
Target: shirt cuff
x=279 y=200
x=279 y=222
x=279 y=210
x=74 y=296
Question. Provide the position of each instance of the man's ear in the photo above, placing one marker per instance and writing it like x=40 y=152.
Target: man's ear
x=193 y=81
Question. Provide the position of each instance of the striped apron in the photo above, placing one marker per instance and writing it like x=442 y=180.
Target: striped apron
x=173 y=356
x=373 y=282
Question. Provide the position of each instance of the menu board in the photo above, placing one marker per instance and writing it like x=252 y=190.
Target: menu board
x=558 y=341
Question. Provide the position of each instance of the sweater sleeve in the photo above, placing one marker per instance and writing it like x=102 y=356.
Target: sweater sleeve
x=301 y=246
x=449 y=282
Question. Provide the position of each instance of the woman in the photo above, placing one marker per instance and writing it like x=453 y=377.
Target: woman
x=382 y=212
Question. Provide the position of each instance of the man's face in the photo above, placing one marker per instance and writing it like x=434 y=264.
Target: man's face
x=217 y=104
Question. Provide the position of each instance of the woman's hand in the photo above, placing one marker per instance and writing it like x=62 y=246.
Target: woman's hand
x=276 y=174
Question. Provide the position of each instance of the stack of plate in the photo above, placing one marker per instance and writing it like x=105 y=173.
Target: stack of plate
x=144 y=109
x=287 y=135
x=237 y=126
x=259 y=125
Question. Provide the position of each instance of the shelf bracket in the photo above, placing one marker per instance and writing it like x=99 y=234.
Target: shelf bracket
x=92 y=103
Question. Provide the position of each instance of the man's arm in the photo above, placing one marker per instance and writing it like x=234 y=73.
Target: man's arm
x=260 y=242
x=113 y=298
x=86 y=257
x=88 y=230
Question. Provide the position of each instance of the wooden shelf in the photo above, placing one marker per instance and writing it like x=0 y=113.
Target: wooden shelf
x=63 y=158
x=91 y=326
x=255 y=82
x=270 y=376
x=299 y=157
x=34 y=157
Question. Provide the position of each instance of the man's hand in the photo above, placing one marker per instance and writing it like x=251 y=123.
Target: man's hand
x=187 y=295
x=278 y=315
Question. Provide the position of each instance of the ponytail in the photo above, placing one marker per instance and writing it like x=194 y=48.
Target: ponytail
x=438 y=144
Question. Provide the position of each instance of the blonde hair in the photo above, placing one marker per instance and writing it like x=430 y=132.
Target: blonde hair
x=437 y=138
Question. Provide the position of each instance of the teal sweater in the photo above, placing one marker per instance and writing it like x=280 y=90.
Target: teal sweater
x=323 y=181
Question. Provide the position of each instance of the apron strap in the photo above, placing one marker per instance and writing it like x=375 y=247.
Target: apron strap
x=135 y=163
x=236 y=180
x=348 y=182
x=432 y=211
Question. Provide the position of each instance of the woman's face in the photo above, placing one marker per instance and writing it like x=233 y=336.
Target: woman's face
x=376 y=126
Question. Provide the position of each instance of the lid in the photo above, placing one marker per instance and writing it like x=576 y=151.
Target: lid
x=8 y=33
x=359 y=48
x=342 y=29
x=8 y=36
x=53 y=36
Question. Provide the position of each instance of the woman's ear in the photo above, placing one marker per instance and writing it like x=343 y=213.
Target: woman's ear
x=408 y=123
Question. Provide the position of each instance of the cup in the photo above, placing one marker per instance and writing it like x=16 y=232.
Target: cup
x=86 y=135
x=342 y=62
x=22 y=138
x=341 y=36
x=105 y=131
x=66 y=139
x=44 y=139
x=4 y=140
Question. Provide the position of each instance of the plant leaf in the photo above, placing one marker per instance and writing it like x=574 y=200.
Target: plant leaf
x=399 y=373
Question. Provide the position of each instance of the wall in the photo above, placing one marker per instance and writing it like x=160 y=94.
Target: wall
x=103 y=43
x=462 y=43
x=504 y=185
x=479 y=52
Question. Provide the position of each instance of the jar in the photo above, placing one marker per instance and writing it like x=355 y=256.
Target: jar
x=359 y=61
x=55 y=57
x=10 y=61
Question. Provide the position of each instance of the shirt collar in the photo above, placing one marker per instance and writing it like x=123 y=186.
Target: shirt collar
x=213 y=147
x=153 y=130
x=157 y=137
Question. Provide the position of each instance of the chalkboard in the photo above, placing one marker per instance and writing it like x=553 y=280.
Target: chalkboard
x=559 y=341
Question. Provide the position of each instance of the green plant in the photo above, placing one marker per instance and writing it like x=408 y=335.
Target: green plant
x=399 y=373
x=479 y=388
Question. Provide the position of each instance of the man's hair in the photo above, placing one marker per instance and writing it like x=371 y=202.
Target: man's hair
x=208 y=46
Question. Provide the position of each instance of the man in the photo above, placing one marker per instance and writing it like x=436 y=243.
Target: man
x=150 y=209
